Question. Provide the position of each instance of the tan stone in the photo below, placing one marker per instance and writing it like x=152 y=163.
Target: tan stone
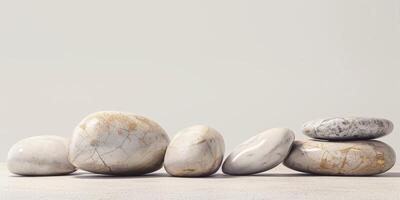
x=118 y=143
x=367 y=157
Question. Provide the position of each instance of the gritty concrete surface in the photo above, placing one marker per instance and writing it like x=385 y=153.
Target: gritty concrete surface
x=279 y=183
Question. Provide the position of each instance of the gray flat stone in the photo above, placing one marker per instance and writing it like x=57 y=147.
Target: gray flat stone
x=347 y=128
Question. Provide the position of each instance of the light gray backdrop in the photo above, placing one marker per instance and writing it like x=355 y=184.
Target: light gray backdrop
x=238 y=66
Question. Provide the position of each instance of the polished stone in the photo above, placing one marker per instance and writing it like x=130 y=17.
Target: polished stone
x=347 y=128
x=118 y=143
x=259 y=153
x=367 y=157
x=195 y=151
x=40 y=156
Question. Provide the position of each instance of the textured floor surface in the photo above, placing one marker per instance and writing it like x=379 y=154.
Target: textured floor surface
x=279 y=183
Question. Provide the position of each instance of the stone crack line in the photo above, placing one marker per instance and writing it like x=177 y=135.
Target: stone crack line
x=119 y=146
x=101 y=159
x=79 y=153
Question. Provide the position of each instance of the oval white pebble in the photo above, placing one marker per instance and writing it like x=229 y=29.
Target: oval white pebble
x=118 y=143
x=195 y=151
x=348 y=128
x=259 y=153
x=40 y=156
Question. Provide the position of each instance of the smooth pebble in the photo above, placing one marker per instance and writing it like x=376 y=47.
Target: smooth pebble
x=40 y=156
x=195 y=151
x=259 y=153
x=347 y=128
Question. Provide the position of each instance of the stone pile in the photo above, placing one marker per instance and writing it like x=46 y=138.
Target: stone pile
x=343 y=146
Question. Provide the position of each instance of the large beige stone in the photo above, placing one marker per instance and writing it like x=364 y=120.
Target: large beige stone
x=366 y=157
x=118 y=143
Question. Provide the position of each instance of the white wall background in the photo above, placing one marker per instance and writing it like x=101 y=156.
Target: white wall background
x=240 y=66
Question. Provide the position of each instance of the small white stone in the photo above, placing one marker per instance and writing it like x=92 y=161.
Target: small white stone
x=40 y=156
x=195 y=151
x=259 y=153
x=118 y=143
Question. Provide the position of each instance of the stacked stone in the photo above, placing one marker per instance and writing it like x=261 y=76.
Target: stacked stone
x=343 y=146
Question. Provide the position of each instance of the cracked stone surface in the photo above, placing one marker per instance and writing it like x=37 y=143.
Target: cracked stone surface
x=118 y=143
x=260 y=153
x=368 y=157
x=40 y=156
x=347 y=128
x=195 y=151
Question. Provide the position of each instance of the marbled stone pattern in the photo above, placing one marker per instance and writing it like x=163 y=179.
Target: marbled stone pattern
x=368 y=157
x=260 y=153
x=118 y=143
x=40 y=156
x=348 y=128
x=195 y=151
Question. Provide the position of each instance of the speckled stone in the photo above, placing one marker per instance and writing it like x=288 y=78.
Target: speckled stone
x=259 y=153
x=118 y=143
x=40 y=156
x=368 y=157
x=348 y=128
x=195 y=151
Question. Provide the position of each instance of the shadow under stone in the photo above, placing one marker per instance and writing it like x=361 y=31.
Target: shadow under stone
x=104 y=176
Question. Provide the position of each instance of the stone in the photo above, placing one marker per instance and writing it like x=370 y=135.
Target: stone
x=44 y=155
x=195 y=151
x=259 y=153
x=118 y=143
x=368 y=157
x=348 y=128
